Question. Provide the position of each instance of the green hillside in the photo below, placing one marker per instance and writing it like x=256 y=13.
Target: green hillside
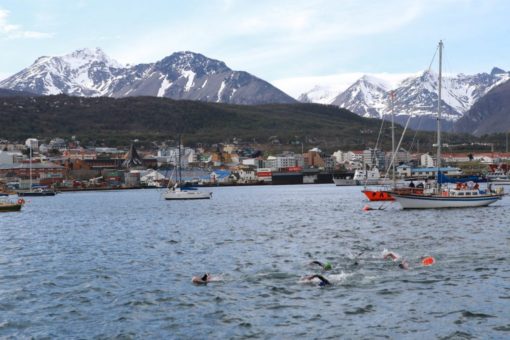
x=119 y=121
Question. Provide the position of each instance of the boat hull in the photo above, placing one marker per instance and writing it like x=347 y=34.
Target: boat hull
x=439 y=202
x=10 y=207
x=35 y=194
x=378 y=195
x=342 y=182
x=187 y=195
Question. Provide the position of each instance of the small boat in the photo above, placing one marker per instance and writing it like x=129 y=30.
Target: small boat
x=37 y=192
x=378 y=195
x=360 y=177
x=499 y=177
x=345 y=179
x=8 y=205
x=179 y=191
x=382 y=195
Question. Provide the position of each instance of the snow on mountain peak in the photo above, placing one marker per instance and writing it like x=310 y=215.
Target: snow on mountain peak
x=381 y=83
x=87 y=55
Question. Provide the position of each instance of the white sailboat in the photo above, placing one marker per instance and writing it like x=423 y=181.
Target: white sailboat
x=31 y=191
x=178 y=192
x=437 y=196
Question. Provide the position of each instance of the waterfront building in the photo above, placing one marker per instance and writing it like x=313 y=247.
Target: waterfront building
x=313 y=159
x=44 y=173
x=408 y=171
x=171 y=156
x=426 y=160
x=374 y=158
x=79 y=153
x=6 y=157
x=57 y=144
x=340 y=156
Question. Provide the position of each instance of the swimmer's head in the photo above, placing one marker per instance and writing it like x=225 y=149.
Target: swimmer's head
x=204 y=278
x=404 y=265
x=327 y=266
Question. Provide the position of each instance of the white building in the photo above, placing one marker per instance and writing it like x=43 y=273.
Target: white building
x=6 y=157
x=340 y=156
x=171 y=156
x=32 y=143
x=287 y=161
x=407 y=171
x=374 y=158
x=426 y=160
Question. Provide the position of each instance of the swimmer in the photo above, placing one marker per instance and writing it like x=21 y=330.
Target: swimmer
x=391 y=255
x=403 y=265
x=356 y=261
x=325 y=266
x=206 y=278
x=324 y=281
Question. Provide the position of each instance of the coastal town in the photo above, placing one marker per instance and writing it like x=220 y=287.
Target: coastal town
x=65 y=165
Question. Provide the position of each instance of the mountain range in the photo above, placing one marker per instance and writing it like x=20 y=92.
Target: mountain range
x=182 y=75
x=415 y=97
x=193 y=76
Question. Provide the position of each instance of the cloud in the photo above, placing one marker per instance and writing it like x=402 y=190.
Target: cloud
x=251 y=35
x=11 y=31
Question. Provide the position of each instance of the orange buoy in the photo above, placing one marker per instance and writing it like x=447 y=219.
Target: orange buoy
x=428 y=261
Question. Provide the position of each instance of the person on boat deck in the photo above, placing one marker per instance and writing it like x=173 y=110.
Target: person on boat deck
x=325 y=266
x=202 y=280
x=411 y=185
x=324 y=281
x=420 y=185
x=477 y=186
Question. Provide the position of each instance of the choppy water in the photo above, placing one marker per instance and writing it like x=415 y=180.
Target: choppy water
x=119 y=264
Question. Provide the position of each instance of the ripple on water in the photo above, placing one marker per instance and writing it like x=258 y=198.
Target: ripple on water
x=119 y=264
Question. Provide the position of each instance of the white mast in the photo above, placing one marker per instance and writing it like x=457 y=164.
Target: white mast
x=439 y=113
x=392 y=94
x=30 y=166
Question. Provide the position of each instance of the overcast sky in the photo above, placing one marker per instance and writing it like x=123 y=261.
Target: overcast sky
x=293 y=44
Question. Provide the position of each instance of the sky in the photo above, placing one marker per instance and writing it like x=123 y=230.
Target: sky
x=293 y=44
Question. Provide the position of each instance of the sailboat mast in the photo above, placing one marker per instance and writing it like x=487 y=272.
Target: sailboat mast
x=30 y=165
x=392 y=94
x=439 y=112
x=180 y=164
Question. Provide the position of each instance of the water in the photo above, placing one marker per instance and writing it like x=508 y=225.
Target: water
x=119 y=264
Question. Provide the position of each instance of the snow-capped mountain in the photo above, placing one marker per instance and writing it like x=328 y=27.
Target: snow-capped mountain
x=84 y=72
x=182 y=75
x=416 y=96
x=320 y=94
x=366 y=97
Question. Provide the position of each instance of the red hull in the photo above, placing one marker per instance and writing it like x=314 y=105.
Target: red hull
x=378 y=195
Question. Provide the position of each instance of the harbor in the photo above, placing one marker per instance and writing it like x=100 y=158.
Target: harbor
x=63 y=272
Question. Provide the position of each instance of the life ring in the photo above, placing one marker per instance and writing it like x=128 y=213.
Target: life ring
x=21 y=201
